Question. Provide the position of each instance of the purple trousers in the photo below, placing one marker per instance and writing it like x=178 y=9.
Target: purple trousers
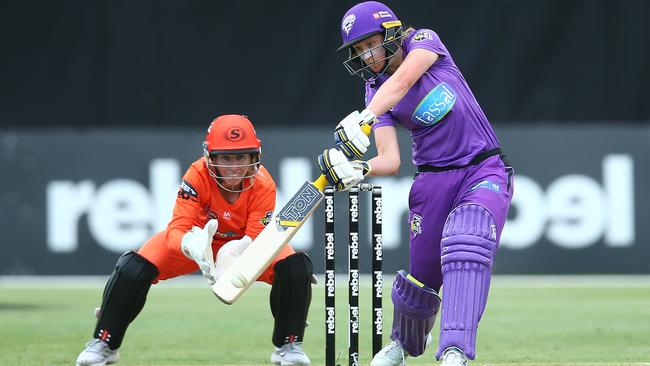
x=433 y=196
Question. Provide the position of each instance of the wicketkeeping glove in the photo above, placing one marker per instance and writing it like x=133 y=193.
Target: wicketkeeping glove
x=228 y=253
x=196 y=244
x=339 y=171
x=349 y=137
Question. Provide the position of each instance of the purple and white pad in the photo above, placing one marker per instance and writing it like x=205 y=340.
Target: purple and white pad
x=468 y=248
x=415 y=309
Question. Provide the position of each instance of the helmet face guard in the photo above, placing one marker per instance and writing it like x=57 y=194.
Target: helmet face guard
x=361 y=64
x=247 y=180
x=362 y=21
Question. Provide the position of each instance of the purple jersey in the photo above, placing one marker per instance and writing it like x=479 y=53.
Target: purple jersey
x=447 y=125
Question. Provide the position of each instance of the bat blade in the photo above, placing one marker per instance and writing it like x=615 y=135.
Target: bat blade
x=268 y=244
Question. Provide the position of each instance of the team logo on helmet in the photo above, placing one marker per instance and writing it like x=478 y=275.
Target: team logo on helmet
x=235 y=134
x=348 y=22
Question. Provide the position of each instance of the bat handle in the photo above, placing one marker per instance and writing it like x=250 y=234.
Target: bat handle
x=321 y=183
x=366 y=128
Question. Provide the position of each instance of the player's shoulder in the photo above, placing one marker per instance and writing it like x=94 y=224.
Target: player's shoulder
x=263 y=180
x=197 y=173
x=422 y=35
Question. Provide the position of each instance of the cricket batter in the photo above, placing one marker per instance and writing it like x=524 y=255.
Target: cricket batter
x=460 y=196
x=224 y=201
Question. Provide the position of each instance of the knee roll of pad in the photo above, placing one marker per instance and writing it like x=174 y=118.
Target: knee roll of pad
x=415 y=309
x=469 y=235
x=467 y=253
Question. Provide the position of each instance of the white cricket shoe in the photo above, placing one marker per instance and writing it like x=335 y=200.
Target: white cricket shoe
x=289 y=355
x=97 y=353
x=393 y=354
x=453 y=356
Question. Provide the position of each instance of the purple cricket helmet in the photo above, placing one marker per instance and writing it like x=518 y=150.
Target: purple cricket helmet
x=363 y=21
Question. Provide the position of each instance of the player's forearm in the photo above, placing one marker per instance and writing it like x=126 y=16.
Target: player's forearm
x=383 y=165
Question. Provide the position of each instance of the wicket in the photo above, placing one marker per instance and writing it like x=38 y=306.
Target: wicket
x=353 y=273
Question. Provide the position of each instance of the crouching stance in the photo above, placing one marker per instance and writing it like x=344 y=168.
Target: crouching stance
x=224 y=201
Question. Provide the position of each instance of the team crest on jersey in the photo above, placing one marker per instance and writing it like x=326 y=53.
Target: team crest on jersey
x=348 y=23
x=210 y=214
x=267 y=218
x=416 y=225
x=187 y=192
x=422 y=35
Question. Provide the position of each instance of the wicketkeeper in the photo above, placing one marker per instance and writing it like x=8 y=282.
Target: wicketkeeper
x=224 y=201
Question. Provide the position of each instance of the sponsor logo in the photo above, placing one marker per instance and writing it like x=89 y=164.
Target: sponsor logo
x=301 y=203
x=354 y=282
x=354 y=209
x=187 y=192
x=227 y=234
x=267 y=218
x=422 y=35
x=329 y=246
x=330 y=283
x=378 y=248
x=329 y=209
x=487 y=184
x=354 y=319
x=227 y=215
x=381 y=14
x=416 y=225
x=354 y=245
x=210 y=214
x=348 y=23
x=104 y=335
x=379 y=284
x=330 y=321
x=377 y=212
x=435 y=105
x=379 y=321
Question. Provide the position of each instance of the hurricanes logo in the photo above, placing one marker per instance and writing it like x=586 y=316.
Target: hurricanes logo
x=416 y=225
x=348 y=22
x=235 y=134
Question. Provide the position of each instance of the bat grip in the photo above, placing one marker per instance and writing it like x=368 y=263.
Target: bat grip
x=321 y=183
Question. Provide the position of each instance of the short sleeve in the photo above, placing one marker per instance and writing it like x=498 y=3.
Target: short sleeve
x=428 y=40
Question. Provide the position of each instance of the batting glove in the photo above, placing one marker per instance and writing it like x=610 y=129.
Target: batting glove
x=339 y=171
x=349 y=137
x=228 y=253
x=196 y=244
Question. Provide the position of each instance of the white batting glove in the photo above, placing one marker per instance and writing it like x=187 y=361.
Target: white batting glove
x=197 y=245
x=339 y=171
x=228 y=253
x=349 y=137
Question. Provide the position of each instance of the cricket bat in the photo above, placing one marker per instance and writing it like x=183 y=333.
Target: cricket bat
x=267 y=245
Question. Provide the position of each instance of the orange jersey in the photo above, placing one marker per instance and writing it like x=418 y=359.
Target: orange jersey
x=199 y=200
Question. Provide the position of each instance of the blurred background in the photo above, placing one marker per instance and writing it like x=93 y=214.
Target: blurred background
x=104 y=104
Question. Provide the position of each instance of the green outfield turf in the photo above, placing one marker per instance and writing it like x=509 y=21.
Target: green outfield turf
x=584 y=323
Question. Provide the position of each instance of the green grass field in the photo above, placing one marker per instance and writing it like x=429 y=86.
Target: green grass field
x=593 y=321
